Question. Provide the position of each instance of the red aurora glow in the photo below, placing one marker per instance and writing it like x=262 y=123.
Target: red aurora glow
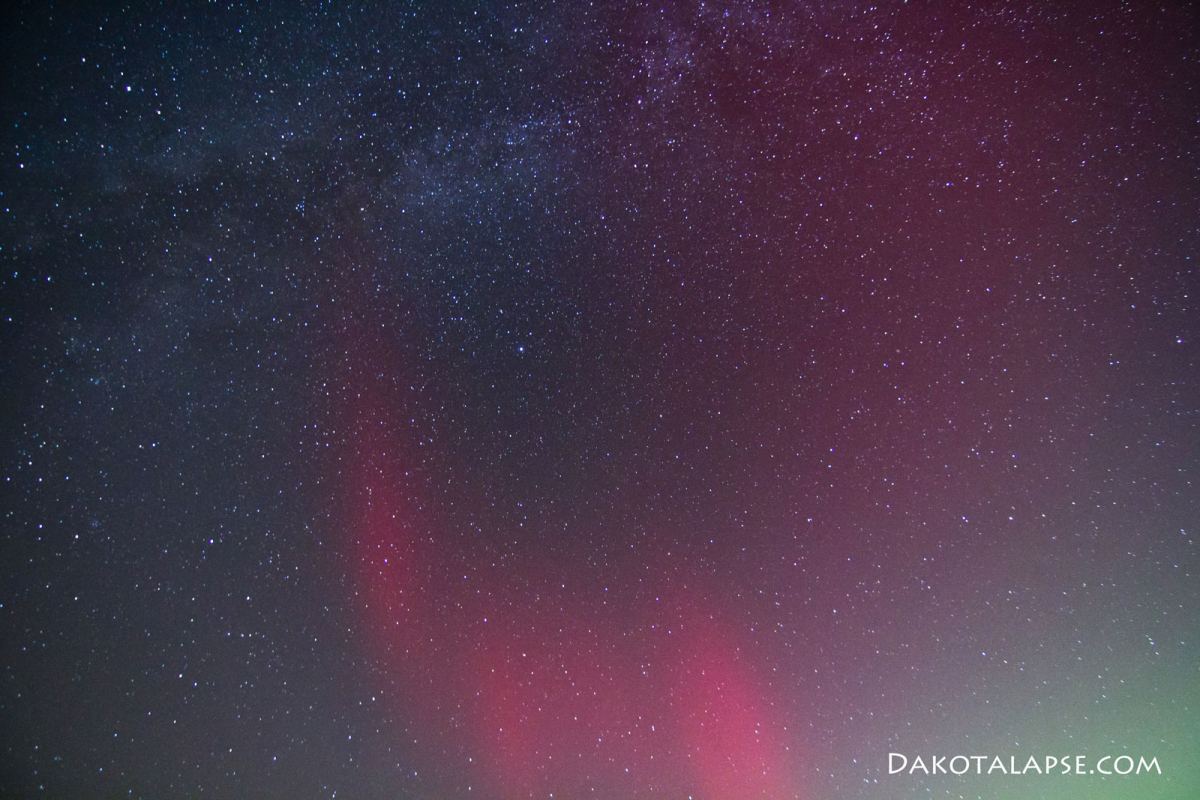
x=542 y=690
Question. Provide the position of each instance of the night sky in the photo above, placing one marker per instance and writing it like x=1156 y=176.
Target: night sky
x=596 y=400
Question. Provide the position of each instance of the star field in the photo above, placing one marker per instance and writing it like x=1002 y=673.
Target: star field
x=597 y=400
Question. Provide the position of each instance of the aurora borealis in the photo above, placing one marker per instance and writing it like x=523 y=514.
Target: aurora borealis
x=439 y=400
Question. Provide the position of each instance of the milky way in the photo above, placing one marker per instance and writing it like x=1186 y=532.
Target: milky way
x=597 y=400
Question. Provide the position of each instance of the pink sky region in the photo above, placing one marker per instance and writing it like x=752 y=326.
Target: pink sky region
x=545 y=694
